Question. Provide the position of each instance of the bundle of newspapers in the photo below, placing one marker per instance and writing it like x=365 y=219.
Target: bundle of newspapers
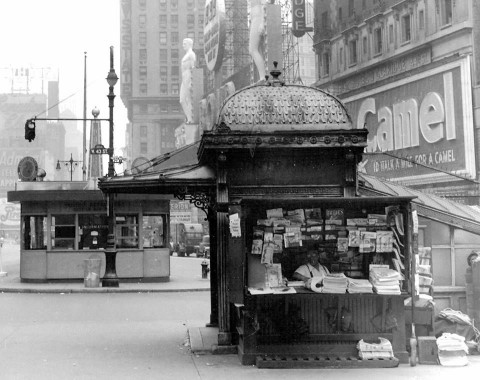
x=335 y=283
x=385 y=280
x=356 y=285
x=381 y=349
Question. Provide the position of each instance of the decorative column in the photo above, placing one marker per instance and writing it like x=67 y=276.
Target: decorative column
x=224 y=332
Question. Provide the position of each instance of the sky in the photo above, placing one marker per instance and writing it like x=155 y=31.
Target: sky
x=55 y=34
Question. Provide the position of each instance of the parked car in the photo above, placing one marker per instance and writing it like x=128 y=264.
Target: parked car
x=204 y=247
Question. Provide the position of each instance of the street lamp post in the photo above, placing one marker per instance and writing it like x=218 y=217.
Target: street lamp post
x=73 y=164
x=110 y=278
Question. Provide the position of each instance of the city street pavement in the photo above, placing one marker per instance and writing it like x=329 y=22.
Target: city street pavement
x=157 y=334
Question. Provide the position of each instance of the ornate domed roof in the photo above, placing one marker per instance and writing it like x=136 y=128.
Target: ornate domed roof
x=274 y=106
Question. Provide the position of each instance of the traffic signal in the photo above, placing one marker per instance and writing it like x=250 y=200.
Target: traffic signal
x=30 y=130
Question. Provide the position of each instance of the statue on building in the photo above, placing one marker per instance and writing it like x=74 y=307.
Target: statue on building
x=188 y=64
x=257 y=31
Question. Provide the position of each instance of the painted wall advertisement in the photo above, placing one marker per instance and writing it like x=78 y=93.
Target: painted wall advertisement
x=419 y=127
x=180 y=212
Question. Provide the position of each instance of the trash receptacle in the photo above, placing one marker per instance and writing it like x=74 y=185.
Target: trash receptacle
x=92 y=268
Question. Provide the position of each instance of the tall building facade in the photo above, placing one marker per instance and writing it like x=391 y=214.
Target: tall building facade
x=407 y=71
x=152 y=34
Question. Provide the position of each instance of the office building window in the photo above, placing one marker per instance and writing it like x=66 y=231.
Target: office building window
x=421 y=19
x=143 y=70
x=163 y=55
x=162 y=20
x=174 y=20
x=143 y=131
x=142 y=4
x=163 y=38
x=191 y=35
x=351 y=8
x=163 y=73
x=163 y=89
x=174 y=37
x=390 y=33
x=143 y=89
x=340 y=16
x=175 y=71
x=142 y=21
x=340 y=57
x=377 y=41
x=190 y=3
x=175 y=89
x=326 y=63
x=163 y=107
x=446 y=12
x=174 y=55
x=200 y=20
x=174 y=4
x=406 y=28
x=142 y=54
x=365 y=45
x=352 y=52
x=142 y=38
x=191 y=21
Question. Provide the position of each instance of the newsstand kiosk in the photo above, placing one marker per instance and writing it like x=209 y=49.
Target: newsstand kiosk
x=285 y=159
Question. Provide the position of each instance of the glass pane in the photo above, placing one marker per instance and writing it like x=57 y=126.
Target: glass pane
x=63 y=219
x=126 y=231
x=440 y=233
x=461 y=265
x=35 y=232
x=153 y=232
x=464 y=237
x=442 y=269
x=93 y=231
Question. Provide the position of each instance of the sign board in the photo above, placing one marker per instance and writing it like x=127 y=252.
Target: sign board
x=298 y=18
x=214 y=33
x=425 y=118
x=99 y=149
x=180 y=212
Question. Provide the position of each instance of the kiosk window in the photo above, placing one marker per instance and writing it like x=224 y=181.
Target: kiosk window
x=35 y=232
x=153 y=231
x=93 y=231
x=63 y=231
x=126 y=233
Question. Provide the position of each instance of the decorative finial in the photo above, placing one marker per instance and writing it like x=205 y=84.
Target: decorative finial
x=275 y=74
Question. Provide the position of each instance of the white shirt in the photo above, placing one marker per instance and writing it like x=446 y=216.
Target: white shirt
x=310 y=271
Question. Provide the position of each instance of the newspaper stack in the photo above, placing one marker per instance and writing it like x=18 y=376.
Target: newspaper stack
x=385 y=280
x=452 y=350
x=383 y=349
x=335 y=283
x=359 y=286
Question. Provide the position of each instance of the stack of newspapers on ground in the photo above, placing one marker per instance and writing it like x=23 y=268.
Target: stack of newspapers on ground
x=357 y=285
x=385 y=280
x=452 y=350
x=335 y=283
x=381 y=349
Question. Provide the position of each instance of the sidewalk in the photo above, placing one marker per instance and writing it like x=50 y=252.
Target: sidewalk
x=185 y=275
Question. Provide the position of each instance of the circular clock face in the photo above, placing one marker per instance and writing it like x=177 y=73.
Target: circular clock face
x=27 y=169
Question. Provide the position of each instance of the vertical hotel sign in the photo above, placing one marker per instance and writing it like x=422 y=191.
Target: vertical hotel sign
x=299 y=23
x=426 y=118
x=214 y=33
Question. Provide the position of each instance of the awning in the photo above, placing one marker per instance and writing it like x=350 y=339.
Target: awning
x=428 y=205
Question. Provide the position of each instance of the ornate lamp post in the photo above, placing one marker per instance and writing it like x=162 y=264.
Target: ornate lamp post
x=110 y=279
x=73 y=164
